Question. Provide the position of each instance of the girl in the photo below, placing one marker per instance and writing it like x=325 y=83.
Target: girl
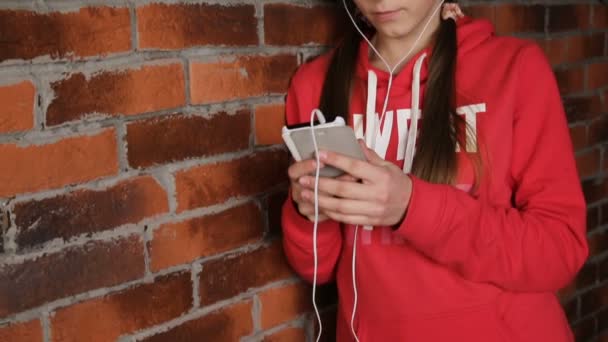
x=474 y=227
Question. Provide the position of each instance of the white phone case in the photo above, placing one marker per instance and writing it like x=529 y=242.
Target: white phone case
x=332 y=136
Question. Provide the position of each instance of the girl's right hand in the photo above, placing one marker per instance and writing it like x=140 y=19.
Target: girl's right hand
x=306 y=205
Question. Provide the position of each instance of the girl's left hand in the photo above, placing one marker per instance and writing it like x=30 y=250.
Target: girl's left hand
x=380 y=198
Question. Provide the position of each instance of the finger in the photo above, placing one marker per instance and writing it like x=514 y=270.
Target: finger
x=350 y=190
x=347 y=178
x=360 y=220
x=371 y=155
x=355 y=167
x=345 y=206
x=309 y=211
x=299 y=169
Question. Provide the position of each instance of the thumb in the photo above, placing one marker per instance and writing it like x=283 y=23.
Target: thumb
x=371 y=155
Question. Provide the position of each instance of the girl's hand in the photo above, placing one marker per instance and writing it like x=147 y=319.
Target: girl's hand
x=380 y=199
x=305 y=202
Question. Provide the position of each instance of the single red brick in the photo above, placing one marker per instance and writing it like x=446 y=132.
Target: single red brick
x=183 y=242
x=71 y=160
x=68 y=272
x=239 y=78
x=584 y=330
x=595 y=190
x=556 y=49
x=570 y=80
x=283 y=24
x=178 y=26
x=481 y=12
x=88 y=32
x=594 y=299
x=569 y=17
x=604 y=270
x=17 y=110
x=227 y=277
x=596 y=75
x=107 y=318
x=284 y=304
x=22 y=332
x=88 y=211
x=588 y=163
x=598 y=243
x=582 y=108
x=602 y=323
x=178 y=137
x=587 y=276
x=600 y=16
x=585 y=47
x=598 y=130
x=215 y=183
x=223 y=325
x=593 y=218
x=128 y=92
x=287 y=335
x=269 y=120
x=578 y=134
x=513 y=18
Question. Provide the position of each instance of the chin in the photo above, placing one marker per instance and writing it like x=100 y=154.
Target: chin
x=393 y=31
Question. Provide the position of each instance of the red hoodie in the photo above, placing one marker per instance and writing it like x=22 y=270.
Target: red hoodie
x=464 y=265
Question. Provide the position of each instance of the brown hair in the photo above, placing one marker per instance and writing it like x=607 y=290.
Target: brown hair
x=436 y=160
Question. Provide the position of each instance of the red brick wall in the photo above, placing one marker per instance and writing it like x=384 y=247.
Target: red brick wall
x=141 y=166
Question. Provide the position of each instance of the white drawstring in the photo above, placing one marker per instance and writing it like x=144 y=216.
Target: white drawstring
x=415 y=115
x=372 y=130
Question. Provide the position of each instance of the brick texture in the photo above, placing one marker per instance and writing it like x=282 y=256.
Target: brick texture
x=183 y=242
x=128 y=92
x=168 y=26
x=224 y=325
x=17 y=111
x=71 y=160
x=283 y=24
x=241 y=177
x=178 y=137
x=107 y=318
x=282 y=304
x=225 y=278
x=86 y=32
x=269 y=120
x=74 y=270
x=88 y=211
x=241 y=78
x=287 y=335
x=144 y=173
x=22 y=332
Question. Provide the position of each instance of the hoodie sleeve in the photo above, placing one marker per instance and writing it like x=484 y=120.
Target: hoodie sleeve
x=297 y=230
x=538 y=243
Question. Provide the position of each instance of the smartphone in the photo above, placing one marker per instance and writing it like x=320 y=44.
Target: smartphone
x=334 y=136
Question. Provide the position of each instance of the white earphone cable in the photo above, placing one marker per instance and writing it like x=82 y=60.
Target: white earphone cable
x=316 y=112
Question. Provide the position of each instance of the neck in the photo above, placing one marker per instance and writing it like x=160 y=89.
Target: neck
x=393 y=49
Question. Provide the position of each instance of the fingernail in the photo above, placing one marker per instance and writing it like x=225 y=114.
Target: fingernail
x=323 y=155
x=303 y=181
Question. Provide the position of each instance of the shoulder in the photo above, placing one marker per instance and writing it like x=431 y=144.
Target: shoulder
x=306 y=86
x=313 y=71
